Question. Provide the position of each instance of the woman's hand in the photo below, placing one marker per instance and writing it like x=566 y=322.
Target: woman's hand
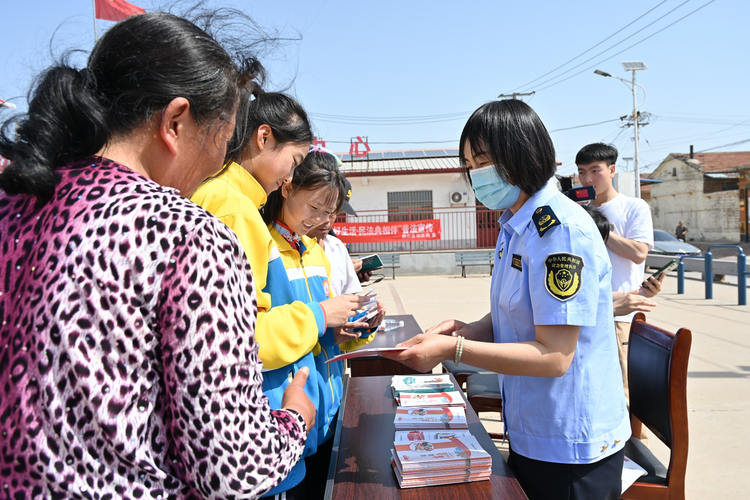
x=425 y=351
x=479 y=330
x=632 y=302
x=345 y=334
x=651 y=286
x=339 y=309
x=357 y=265
x=295 y=398
x=376 y=320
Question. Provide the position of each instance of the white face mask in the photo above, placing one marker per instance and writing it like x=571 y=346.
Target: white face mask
x=491 y=190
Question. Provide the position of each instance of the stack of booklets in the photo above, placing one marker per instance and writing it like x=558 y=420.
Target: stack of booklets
x=447 y=417
x=425 y=390
x=432 y=462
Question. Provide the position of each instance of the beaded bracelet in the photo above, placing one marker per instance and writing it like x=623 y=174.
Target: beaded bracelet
x=459 y=349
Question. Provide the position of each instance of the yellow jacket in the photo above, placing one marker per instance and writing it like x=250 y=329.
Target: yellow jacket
x=287 y=329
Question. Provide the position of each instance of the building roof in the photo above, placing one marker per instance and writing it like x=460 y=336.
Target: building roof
x=402 y=162
x=713 y=163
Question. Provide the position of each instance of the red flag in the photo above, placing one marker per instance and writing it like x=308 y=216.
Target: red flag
x=116 y=10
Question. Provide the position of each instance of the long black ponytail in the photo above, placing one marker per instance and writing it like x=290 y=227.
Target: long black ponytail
x=134 y=71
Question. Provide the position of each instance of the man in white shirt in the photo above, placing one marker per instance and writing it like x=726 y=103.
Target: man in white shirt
x=631 y=236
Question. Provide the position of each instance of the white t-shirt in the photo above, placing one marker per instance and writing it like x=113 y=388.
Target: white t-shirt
x=343 y=277
x=631 y=219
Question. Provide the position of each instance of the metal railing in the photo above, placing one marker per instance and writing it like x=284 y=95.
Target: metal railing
x=708 y=274
x=463 y=228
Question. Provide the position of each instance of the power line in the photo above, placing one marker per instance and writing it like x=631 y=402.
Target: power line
x=594 y=46
x=625 y=49
x=587 y=125
x=456 y=140
x=724 y=146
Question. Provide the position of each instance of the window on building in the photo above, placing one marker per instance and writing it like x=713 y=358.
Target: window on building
x=409 y=205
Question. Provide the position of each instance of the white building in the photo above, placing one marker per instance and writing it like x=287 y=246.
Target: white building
x=701 y=189
x=418 y=185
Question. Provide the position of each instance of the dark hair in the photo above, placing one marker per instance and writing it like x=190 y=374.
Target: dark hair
x=511 y=134
x=318 y=170
x=286 y=117
x=601 y=221
x=134 y=71
x=597 y=152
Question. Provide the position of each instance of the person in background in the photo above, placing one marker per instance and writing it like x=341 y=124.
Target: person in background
x=634 y=300
x=128 y=312
x=631 y=237
x=680 y=231
x=272 y=138
x=315 y=194
x=549 y=333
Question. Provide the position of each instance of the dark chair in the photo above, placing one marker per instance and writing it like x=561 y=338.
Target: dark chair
x=462 y=371
x=657 y=374
x=483 y=392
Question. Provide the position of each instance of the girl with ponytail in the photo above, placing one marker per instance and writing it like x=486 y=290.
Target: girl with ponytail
x=270 y=141
x=127 y=313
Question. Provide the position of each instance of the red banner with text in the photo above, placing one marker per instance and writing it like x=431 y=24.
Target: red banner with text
x=376 y=232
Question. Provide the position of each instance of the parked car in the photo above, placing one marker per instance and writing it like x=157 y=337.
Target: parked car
x=665 y=243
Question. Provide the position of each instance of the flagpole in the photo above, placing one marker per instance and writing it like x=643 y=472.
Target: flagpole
x=96 y=36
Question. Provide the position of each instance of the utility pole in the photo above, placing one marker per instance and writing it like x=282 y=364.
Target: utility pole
x=632 y=66
x=515 y=95
x=637 y=148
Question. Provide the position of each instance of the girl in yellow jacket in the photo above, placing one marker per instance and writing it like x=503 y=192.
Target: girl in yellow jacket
x=315 y=193
x=272 y=137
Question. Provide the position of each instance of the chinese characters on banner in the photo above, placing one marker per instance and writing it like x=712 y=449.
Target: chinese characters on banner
x=375 y=232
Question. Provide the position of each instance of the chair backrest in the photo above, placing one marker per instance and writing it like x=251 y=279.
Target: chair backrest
x=657 y=376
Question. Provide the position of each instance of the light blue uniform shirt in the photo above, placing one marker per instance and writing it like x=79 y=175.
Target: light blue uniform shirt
x=561 y=277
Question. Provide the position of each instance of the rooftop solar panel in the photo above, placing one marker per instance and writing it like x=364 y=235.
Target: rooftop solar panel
x=432 y=153
x=393 y=154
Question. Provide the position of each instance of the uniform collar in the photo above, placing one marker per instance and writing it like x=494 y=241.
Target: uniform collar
x=519 y=221
x=238 y=176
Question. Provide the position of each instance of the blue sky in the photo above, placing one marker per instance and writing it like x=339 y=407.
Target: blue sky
x=407 y=74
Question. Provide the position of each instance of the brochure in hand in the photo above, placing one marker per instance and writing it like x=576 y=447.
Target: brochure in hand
x=361 y=353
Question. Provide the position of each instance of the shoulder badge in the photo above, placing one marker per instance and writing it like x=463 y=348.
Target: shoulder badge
x=544 y=219
x=563 y=279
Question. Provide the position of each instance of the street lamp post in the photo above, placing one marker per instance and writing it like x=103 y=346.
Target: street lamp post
x=632 y=66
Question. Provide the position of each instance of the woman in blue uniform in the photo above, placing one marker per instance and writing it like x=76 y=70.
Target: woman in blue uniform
x=549 y=333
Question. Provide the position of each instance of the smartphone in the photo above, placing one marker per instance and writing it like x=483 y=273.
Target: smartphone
x=371 y=262
x=670 y=266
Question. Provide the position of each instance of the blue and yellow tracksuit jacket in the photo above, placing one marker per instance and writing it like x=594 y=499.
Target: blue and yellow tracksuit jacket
x=308 y=270
x=287 y=329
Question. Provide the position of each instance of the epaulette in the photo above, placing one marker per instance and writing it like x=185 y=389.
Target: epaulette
x=544 y=219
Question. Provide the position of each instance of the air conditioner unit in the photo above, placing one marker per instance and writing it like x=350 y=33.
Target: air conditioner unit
x=459 y=197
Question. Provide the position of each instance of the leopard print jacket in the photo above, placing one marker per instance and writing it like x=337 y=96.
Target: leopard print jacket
x=128 y=365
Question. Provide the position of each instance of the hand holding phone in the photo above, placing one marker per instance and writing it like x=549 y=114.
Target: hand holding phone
x=669 y=267
x=371 y=262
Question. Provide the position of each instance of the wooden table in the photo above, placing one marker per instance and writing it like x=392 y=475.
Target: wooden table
x=361 y=460
x=375 y=365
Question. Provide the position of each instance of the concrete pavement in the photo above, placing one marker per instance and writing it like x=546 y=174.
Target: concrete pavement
x=719 y=370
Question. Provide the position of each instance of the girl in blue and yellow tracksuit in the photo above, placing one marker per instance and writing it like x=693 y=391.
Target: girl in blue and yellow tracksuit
x=315 y=192
x=287 y=328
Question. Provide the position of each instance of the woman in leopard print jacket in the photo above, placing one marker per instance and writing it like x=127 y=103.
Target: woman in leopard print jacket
x=128 y=364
